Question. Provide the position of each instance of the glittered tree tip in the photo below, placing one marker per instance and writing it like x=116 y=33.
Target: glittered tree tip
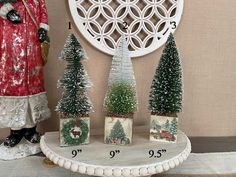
x=74 y=82
x=73 y=50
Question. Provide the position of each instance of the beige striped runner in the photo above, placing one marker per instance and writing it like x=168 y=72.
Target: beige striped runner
x=191 y=175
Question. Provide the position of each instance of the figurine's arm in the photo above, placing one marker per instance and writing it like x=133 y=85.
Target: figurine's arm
x=43 y=26
x=44 y=17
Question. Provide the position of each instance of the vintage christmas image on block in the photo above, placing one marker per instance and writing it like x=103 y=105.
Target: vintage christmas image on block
x=118 y=131
x=74 y=131
x=163 y=128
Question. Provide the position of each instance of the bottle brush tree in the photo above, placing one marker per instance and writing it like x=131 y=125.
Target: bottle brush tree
x=121 y=98
x=166 y=90
x=74 y=82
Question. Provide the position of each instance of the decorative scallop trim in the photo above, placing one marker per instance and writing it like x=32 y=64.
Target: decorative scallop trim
x=108 y=171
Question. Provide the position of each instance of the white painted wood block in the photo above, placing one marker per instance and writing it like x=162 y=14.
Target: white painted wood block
x=118 y=131
x=74 y=131
x=163 y=129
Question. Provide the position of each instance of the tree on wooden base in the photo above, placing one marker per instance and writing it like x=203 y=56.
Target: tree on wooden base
x=121 y=99
x=74 y=103
x=165 y=98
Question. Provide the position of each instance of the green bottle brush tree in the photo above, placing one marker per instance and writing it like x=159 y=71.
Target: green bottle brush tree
x=165 y=98
x=74 y=106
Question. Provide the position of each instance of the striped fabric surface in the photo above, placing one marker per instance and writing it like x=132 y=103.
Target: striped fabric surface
x=212 y=164
x=180 y=175
x=205 y=165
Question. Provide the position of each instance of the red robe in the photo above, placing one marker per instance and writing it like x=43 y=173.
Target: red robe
x=21 y=70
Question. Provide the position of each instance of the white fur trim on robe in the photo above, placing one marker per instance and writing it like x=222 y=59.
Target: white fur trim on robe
x=15 y=110
x=5 y=9
x=44 y=26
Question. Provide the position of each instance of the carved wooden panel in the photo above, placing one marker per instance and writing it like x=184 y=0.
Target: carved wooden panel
x=146 y=23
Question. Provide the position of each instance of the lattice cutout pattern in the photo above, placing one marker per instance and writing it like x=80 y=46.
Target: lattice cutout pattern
x=146 y=23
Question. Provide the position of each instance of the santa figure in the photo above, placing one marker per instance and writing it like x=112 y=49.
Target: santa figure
x=23 y=101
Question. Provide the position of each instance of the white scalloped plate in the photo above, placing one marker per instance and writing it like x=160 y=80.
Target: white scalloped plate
x=133 y=160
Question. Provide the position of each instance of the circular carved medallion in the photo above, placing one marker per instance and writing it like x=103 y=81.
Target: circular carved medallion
x=146 y=23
